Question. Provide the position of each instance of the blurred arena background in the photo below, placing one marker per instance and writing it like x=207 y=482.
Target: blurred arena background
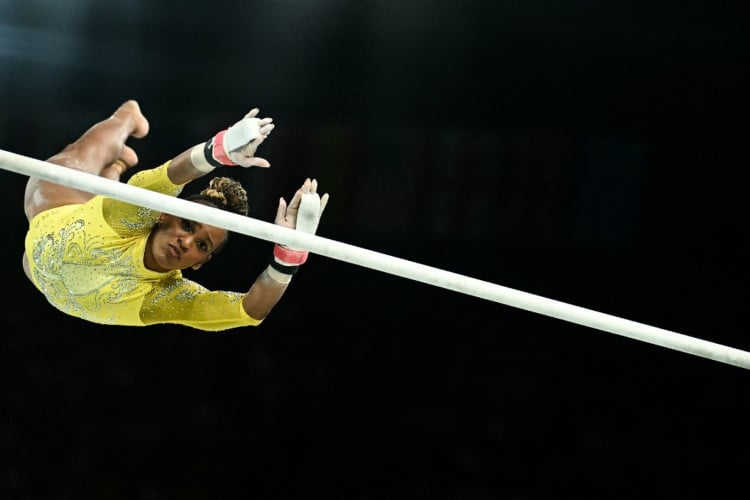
x=588 y=152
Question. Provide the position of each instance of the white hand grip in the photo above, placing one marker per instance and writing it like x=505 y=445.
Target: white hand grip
x=308 y=215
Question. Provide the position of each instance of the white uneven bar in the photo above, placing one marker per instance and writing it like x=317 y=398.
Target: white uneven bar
x=373 y=260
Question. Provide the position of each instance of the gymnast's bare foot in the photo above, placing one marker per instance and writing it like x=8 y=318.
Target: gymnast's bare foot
x=131 y=112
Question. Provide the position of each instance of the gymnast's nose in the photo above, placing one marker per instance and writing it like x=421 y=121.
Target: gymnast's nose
x=185 y=243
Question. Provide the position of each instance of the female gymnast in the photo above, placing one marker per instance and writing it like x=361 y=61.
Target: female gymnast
x=110 y=262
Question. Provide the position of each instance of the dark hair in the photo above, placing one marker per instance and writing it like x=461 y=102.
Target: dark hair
x=226 y=194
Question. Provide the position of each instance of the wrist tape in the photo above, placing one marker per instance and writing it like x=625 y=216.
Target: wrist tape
x=215 y=153
x=283 y=269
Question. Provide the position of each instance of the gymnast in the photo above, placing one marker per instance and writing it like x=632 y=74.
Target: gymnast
x=110 y=262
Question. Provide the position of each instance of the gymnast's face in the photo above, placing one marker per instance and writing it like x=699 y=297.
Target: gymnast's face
x=179 y=243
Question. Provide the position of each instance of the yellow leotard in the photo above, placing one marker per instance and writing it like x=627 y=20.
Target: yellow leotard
x=87 y=260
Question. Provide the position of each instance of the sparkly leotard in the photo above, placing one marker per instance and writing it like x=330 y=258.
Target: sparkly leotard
x=87 y=260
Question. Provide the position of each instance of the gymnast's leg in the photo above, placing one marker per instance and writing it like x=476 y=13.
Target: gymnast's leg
x=101 y=150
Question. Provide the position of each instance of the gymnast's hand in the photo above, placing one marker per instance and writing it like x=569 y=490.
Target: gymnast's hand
x=304 y=211
x=237 y=144
x=303 y=214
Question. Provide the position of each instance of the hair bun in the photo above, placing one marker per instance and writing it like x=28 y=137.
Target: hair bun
x=225 y=193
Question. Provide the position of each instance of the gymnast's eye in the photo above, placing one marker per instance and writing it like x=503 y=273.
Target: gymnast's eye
x=190 y=227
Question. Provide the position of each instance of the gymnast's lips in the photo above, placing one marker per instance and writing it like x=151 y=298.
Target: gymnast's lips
x=174 y=252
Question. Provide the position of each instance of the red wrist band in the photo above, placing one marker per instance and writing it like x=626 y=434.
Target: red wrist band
x=287 y=256
x=218 y=150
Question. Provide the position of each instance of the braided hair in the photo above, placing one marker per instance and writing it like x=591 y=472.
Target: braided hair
x=226 y=194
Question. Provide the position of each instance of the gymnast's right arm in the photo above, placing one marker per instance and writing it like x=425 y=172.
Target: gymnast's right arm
x=231 y=147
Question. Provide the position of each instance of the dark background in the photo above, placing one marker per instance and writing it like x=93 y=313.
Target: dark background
x=590 y=152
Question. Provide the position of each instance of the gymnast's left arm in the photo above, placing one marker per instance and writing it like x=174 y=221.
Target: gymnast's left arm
x=235 y=146
x=303 y=213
